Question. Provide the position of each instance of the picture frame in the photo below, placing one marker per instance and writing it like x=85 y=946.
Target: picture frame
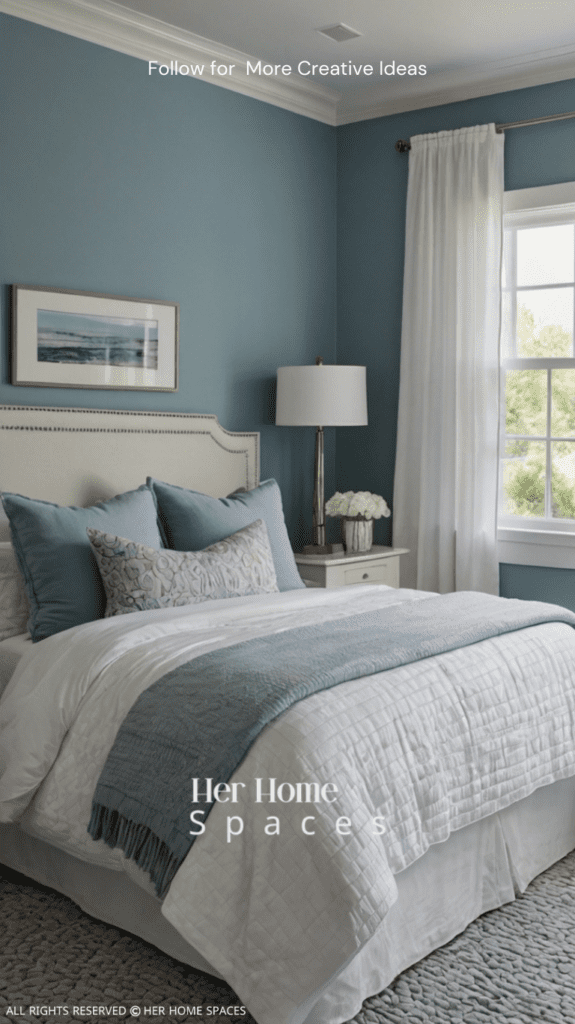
x=72 y=339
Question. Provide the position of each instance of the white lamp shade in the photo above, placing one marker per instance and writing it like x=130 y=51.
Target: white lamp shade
x=321 y=396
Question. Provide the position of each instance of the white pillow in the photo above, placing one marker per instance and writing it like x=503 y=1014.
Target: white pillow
x=138 y=578
x=14 y=608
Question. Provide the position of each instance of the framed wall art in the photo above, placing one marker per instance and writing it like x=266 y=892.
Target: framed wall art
x=68 y=339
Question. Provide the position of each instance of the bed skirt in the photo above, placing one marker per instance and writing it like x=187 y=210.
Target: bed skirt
x=479 y=868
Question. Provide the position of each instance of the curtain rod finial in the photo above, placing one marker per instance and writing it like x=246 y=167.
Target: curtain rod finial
x=402 y=146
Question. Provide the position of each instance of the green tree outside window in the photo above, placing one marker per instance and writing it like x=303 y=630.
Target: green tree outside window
x=526 y=413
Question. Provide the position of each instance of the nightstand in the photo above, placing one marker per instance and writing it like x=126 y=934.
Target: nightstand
x=379 y=565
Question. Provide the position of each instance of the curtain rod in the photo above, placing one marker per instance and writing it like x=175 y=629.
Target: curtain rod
x=402 y=146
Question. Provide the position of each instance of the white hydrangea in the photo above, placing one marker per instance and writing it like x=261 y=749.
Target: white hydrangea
x=357 y=503
x=338 y=504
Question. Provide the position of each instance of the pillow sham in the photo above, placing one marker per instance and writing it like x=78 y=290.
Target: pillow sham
x=192 y=521
x=14 y=608
x=60 y=573
x=137 y=577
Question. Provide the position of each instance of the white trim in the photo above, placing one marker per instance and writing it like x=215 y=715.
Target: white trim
x=138 y=35
x=531 y=547
x=468 y=83
x=562 y=536
x=526 y=199
x=561 y=213
x=553 y=543
x=109 y=24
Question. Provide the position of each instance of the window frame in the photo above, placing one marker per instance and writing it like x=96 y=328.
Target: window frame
x=522 y=540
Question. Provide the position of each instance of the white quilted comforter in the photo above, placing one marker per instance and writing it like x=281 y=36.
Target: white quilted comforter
x=411 y=755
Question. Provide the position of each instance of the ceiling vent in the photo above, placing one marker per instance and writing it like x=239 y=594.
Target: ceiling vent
x=340 y=33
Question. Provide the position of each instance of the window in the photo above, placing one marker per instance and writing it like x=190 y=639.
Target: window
x=537 y=436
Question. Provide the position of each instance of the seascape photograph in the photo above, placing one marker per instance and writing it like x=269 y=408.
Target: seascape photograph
x=97 y=340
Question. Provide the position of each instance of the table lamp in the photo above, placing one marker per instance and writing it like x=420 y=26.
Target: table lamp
x=321 y=396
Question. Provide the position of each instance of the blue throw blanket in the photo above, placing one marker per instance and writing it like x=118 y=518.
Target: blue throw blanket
x=200 y=720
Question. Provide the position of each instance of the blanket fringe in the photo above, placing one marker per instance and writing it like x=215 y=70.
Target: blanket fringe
x=138 y=843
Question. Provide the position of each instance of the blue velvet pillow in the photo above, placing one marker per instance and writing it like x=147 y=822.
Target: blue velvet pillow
x=61 y=576
x=192 y=521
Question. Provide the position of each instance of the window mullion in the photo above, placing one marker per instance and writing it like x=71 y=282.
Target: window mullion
x=513 y=278
x=548 y=494
x=502 y=438
x=543 y=287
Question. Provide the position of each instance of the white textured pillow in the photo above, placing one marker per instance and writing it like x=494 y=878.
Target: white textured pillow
x=14 y=608
x=137 y=578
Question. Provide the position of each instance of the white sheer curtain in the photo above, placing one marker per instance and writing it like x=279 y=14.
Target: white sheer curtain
x=445 y=496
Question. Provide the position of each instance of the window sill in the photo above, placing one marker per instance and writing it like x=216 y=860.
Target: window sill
x=550 y=548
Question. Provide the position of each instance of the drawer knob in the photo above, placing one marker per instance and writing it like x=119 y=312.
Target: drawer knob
x=365 y=576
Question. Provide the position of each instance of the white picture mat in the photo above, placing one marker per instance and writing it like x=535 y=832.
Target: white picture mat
x=29 y=370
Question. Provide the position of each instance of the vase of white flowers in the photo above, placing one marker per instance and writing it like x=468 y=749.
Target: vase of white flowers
x=357 y=509
x=357 y=533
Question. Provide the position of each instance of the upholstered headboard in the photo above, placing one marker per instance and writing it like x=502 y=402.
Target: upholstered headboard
x=79 y=456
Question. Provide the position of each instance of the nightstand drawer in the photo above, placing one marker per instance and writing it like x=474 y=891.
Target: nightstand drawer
x=386 y=571
x=347 y=569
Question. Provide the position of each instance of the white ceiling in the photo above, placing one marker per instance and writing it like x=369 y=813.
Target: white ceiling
x=469 y=47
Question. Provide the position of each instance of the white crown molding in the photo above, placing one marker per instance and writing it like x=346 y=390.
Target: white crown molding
x=468 y=83
x=109 y=24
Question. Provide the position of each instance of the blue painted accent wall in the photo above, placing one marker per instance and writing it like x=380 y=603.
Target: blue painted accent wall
x=170 y=188
x=538 y=583
x=118 y=182
x=372 y=189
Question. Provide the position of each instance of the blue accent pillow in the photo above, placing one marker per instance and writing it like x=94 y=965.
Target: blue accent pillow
x=192 y=521
x=53 y=551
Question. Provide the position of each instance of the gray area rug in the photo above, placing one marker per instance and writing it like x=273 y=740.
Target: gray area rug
x=515 y=965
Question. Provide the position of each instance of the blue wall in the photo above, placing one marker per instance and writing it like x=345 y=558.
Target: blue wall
x=169 y=188
x=118 y=182
x=372 y=189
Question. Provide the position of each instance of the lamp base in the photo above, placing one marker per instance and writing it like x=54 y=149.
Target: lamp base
x=321 y=549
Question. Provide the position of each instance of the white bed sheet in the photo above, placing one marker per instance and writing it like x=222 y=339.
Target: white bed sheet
x=11 y=650
x=277 y=951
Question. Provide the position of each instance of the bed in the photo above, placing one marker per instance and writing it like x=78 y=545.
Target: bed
x=303 y=928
